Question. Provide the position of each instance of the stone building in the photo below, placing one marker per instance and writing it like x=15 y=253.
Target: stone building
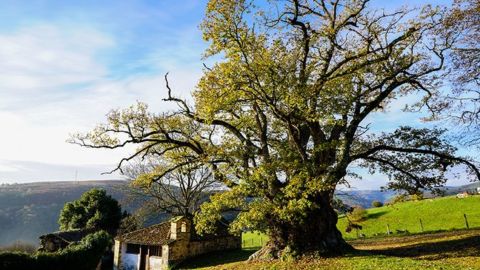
x=162 y=245
x=53 y=242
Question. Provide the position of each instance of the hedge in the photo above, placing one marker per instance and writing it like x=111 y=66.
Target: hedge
x=84 y=255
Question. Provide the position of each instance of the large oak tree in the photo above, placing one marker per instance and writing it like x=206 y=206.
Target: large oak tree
x=281 y=119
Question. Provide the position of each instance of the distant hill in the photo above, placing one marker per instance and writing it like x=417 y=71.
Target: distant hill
x=454 y=190
x=32 y=209
x=364 y=198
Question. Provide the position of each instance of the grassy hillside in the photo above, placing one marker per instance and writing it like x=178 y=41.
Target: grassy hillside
x=436 y=214
x=440 y=214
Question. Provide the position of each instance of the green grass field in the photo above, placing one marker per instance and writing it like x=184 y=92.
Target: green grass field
x=456 y=248
x=436 y=214
x=447 y=251
x=440 y=214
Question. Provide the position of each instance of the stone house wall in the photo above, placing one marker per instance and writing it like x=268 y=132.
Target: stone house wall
x=224 y=243
x=179 y=248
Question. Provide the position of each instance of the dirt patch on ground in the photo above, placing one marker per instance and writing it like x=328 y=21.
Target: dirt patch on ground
x=438 y=246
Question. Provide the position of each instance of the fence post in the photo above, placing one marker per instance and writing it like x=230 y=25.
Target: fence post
x=388 y=229
x=466 y=221
x=261 y=241
x=252 y=242
x=421 y=224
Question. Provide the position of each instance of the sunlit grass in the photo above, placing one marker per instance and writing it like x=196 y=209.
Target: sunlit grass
x=446 y=251
x=441 y=214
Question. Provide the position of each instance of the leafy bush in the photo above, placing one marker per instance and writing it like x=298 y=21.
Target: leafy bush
x=358 y=214
x=416 y=197
x=84 y=255
x=17 y=261
x=397 y=199
x=377 y=204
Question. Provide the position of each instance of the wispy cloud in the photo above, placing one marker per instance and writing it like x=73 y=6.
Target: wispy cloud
x=54 y=83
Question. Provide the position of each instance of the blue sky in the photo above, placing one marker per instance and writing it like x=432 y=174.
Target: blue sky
x=65 y=64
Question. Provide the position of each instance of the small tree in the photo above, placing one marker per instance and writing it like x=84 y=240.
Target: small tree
x=398 y=199
x=355 y=217
x=177 y=192
x=94 y=210
x=129 y=223
x=377 y=204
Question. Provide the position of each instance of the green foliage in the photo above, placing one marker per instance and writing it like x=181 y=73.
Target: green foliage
x=416 y=197
x=340 y=206
x=84 y=255
x=377 y=204
x=281 y=119
x=398 y=199
x=128 y=224
x=95 y=209
x=33 y=209
x=358 y=214
x=411 y=172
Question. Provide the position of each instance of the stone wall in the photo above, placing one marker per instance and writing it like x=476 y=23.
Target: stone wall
x=224 y=243
x=181 y=250
x=155 y=263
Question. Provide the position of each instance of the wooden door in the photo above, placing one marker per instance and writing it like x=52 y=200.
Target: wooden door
x=143 y=257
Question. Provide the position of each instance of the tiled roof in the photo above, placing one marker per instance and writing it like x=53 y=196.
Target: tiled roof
x=158 y=234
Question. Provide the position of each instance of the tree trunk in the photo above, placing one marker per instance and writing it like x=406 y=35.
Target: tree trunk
x=316 y=232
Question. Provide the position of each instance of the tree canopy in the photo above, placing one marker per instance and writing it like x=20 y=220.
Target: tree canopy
x=177 y=193
x=94 y=210
x=284 y=115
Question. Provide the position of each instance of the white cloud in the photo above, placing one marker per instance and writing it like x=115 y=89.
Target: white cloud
x=52 y=83
x=44 y=57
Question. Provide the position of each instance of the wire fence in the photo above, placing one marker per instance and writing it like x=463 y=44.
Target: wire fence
x=416 y=225
x=390 y=228
x=253 y=240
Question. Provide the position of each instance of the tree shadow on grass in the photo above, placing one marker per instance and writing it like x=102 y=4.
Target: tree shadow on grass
x=450 y=248
x=217 y=258
x=465 y=247
x=376 y=215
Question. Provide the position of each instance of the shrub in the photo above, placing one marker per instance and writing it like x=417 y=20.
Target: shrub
x=355 y=217
x=377 y=204
x=357 y=214
x=84 y=255
x=17 y=261
x=397 y=199
x=416 y=197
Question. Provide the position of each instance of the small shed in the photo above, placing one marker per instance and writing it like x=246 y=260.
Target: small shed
x=165 y=244
x=55 y=241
